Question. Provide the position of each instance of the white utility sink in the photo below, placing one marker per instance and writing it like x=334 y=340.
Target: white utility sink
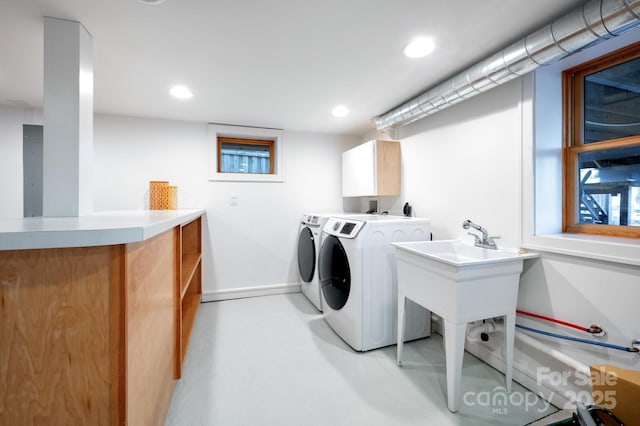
x=461 y=283
x=460 y=253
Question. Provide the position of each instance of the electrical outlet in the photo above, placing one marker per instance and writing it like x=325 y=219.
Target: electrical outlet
x=233 y=201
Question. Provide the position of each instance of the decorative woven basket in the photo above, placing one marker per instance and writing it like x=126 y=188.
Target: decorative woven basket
x=172 y=197
x=158 y=194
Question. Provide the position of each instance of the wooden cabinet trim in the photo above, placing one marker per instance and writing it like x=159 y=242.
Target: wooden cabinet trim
x=388 y=168
x=188 y=287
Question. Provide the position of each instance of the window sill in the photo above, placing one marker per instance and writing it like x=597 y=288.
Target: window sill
x=245 y=177
x=609 y=249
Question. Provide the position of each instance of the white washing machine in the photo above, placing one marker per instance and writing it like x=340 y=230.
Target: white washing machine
x=309 y=240
x=357 y=274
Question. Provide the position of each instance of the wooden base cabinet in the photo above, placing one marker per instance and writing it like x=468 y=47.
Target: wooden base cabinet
x=88 y=335
x=62 y=336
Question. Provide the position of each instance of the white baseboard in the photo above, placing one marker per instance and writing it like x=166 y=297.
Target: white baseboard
x=240 y=293
x=520 y=375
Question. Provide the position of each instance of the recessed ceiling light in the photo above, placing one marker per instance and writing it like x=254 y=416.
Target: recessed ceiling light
x=419 y=47
x=181 y=92
x=340 y=111
x=151 y=1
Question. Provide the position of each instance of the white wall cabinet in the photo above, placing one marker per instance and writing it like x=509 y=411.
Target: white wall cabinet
x=371 y=169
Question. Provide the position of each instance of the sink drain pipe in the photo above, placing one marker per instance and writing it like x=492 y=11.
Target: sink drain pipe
x=481 y=331
x=490 y=326
x=565 y=359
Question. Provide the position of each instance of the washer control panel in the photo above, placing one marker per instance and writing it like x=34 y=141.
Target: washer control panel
x=311 y=220
x=344 y=228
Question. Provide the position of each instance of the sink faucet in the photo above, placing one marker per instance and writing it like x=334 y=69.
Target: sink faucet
x=486 y=241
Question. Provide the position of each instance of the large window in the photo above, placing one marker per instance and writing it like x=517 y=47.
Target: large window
x=602 y=145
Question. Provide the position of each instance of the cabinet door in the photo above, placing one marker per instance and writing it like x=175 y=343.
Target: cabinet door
x=359 y=171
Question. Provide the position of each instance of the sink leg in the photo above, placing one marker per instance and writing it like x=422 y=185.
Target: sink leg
x=454 y=335
x=400 y=334
x=509 y=334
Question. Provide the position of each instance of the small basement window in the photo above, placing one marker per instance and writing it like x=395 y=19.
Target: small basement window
x=246 y=154
x=237 y=155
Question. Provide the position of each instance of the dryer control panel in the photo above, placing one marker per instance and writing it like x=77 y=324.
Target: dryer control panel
x=343 y=228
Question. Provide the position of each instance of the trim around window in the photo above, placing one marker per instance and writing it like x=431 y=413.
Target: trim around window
x=576 y=143
x=266 y=145
x=542 y=163
x=226 y=132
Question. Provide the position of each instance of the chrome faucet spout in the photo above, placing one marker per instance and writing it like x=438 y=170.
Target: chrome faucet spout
x=468 y=224
x=486 y=241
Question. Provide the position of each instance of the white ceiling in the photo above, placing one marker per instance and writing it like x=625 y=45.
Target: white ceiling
x=269 y=63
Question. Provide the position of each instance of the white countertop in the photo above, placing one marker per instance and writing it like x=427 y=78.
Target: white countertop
x=95 y=229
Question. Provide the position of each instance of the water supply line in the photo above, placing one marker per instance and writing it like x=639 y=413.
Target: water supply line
x=590 y=24
x=594 y=329
x=577 y=339
x=489 y=326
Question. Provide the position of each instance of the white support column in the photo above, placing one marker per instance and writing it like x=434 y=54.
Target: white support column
x=68 y=118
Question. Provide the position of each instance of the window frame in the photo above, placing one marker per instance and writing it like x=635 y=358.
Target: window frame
x=249 y=133
x=244 y=141
x=542 y=167
x=573 y=143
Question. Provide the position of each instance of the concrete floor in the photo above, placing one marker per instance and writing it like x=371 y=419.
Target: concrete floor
x=275 y=361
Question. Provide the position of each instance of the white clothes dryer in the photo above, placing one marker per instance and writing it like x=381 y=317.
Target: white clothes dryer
x=308 y=249
x=357 y=274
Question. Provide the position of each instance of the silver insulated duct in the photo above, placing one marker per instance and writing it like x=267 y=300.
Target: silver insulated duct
x=596 y=21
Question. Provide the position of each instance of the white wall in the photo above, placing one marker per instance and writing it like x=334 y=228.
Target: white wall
x=249 y=245
x=457 y=169
x=465 y=163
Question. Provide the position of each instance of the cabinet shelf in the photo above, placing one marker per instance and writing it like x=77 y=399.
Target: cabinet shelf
x=188 y=287
x=190 y=305
x=189 y=268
